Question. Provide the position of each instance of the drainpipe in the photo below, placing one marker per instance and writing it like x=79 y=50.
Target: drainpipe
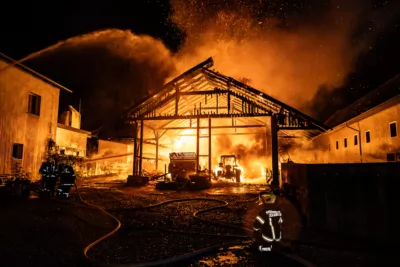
x=359 y=138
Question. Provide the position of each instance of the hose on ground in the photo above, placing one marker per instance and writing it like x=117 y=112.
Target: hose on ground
x=184 y=257
x=172 y=260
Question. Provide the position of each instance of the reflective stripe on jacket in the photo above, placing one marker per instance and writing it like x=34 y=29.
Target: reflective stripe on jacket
x=268 y=224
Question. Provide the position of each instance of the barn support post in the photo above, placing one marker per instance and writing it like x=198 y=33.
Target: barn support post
x=157 y=138
x=141 y=148
x=216 y=103
x=177 y=100
x=209 y=145
x=135 y=143
x=274 y=148
x=197 y=144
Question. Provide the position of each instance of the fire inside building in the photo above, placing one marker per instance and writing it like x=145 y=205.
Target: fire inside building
x=200 y=105
x=203 y=125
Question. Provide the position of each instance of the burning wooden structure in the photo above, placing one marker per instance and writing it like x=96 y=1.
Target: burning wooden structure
x=198 y=99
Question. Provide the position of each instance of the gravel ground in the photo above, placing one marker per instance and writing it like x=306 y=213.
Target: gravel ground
x=52 y=233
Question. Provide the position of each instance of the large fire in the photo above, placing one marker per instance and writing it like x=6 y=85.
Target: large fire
x=252 y=156
x=286 y=58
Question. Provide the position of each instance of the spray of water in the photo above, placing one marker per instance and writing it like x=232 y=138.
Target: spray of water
x=110 y=69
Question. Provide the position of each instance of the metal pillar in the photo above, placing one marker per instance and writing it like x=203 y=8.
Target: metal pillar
x=157 y=138
x=197 y=144
x=274 y=147
x=141 y=147
x=135 y=134
x=209 y=146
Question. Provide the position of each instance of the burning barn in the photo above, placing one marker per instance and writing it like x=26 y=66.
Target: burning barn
x=210 y=114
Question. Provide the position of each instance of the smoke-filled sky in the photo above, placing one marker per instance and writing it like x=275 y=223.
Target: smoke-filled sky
x=316 y=55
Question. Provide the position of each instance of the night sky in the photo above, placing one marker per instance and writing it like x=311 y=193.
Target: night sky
x=29 y=26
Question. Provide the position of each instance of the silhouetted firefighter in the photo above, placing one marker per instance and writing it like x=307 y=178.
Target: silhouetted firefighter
x=67 y=180
x=267 y=225
x=49 y=172
x=53 y=174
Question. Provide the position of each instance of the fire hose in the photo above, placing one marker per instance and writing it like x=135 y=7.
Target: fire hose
x=184 y=257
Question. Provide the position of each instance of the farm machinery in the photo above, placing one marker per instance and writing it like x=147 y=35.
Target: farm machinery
x=228 y=169
x=182 y=173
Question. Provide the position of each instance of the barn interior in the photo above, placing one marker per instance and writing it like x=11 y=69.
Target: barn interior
x=209 y=114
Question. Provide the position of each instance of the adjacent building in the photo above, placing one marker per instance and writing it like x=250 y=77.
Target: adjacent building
x=29 y=112
x=70 y=138
x=365 y=131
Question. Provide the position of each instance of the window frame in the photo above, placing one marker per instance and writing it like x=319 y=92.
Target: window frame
x=38 y=104
x=368 y=137
x=355 y=140
x=390 y=128
x=337 y=144
x=345 y=142
x=18 y=148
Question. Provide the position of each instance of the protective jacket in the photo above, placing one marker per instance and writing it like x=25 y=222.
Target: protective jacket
x=268 y=227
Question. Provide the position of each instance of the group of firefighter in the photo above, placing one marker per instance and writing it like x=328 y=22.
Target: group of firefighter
x=57 y=179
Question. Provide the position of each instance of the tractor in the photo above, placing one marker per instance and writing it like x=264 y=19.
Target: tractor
x=182 y=173
x=228 y=169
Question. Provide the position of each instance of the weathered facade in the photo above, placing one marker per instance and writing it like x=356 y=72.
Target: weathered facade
x=365 y=131
x=29 y=108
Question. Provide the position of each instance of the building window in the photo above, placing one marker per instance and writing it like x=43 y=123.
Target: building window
x=393 y=129
x=355 y=140
x=17 y=151
x=337 y=144
x=34 y=104
x=367 y=136
x=345 y=142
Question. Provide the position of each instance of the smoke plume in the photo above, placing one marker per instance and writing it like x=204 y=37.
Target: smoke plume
x=288 y=49
x=113 y=68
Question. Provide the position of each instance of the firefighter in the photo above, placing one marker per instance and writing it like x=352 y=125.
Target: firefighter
x=49 y=173
x=267 y=224
x=67 y=180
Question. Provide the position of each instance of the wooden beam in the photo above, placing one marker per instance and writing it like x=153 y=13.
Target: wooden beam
x=214 y=127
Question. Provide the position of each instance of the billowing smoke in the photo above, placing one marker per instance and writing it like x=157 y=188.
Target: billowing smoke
x=113 y=68
x=287 y=49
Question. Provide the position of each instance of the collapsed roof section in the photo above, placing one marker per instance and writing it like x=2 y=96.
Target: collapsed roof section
x=203 y=93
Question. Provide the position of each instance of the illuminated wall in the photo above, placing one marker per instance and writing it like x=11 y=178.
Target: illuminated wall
x=376 y=131
x=71 y=140
x=18 y=126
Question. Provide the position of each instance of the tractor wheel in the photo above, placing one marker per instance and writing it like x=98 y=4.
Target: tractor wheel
x=237 y=175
